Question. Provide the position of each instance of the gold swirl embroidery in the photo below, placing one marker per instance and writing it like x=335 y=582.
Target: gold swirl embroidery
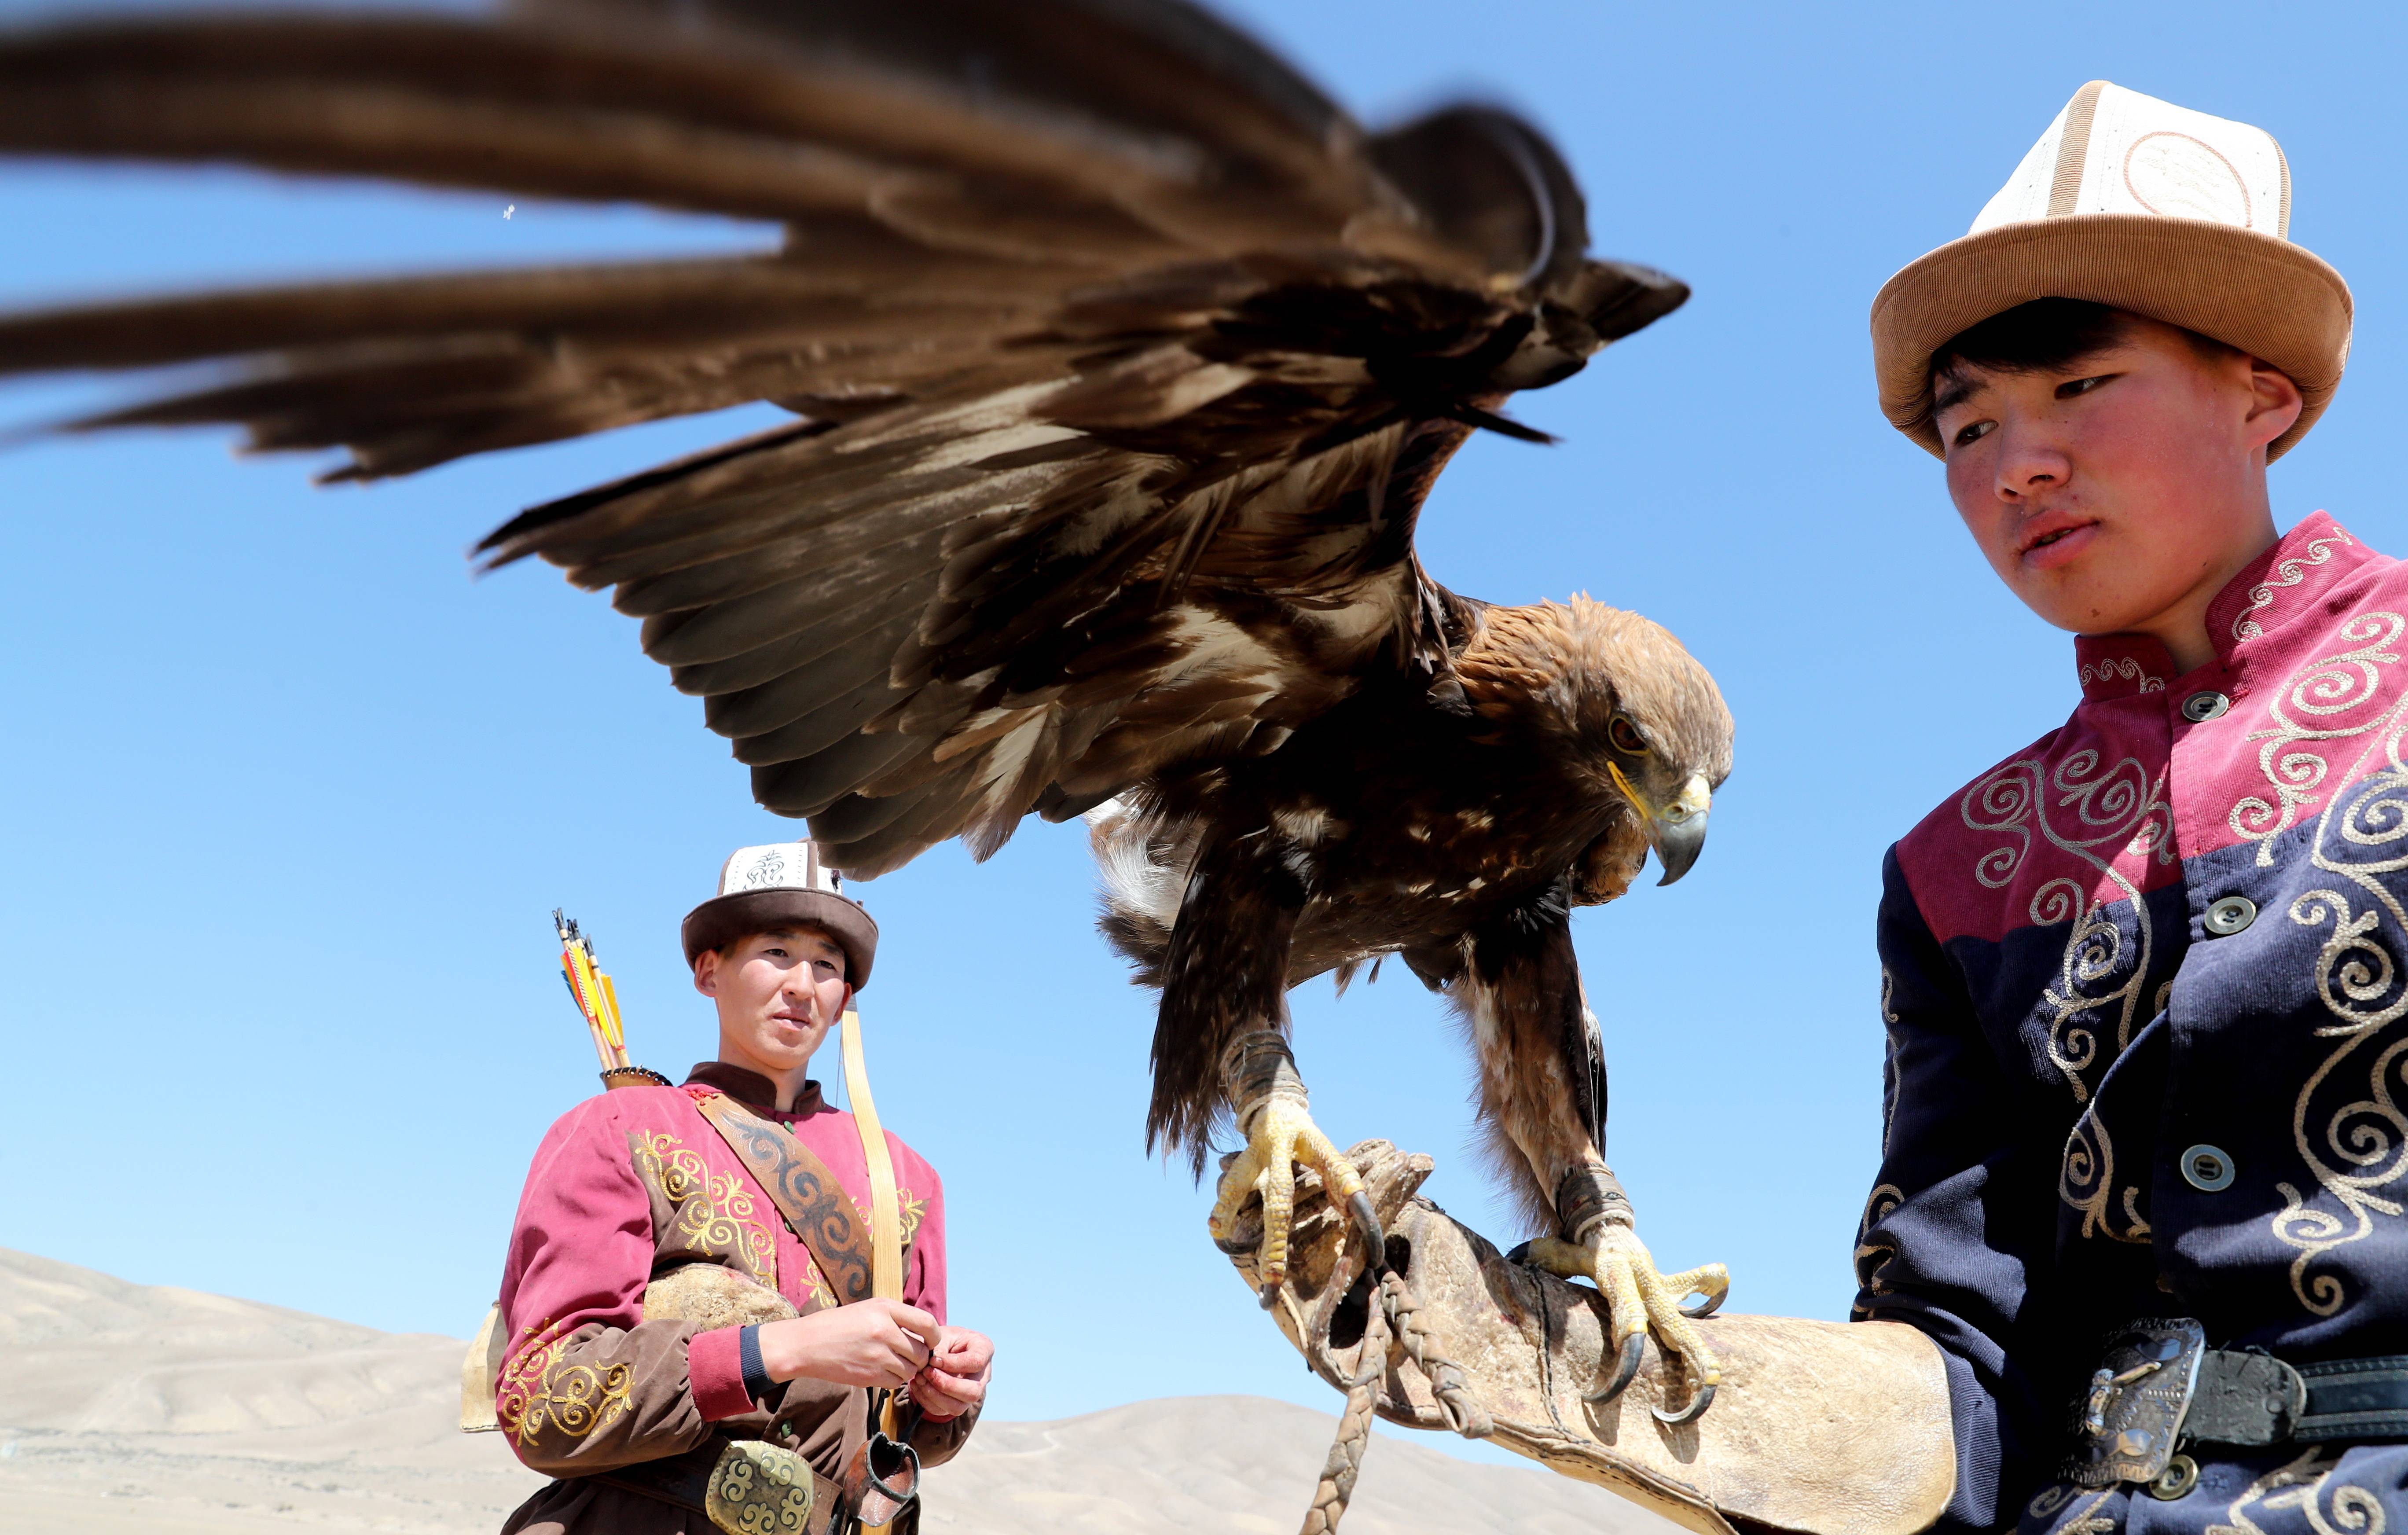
x=2323 y=690
x=1889 y=1058
x=2367 y=1138
x=2300 y=1485
x=2370 y=1134
x=2359 y=981
x=2086 y=1181
x=2051 y=1498
x=1872 y=1252
x=2122 y=811
x=819 y=1285
x=2290 y=573
x=2089 y=1522
x=2123 y=666
x=715 y=1213
x=910 y=1208
x=537 y=1392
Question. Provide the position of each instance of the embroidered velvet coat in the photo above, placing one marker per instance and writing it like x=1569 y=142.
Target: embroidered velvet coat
x=2146 y=990
x=628 y=1184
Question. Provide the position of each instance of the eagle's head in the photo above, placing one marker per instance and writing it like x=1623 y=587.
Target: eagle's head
x=1619 y=706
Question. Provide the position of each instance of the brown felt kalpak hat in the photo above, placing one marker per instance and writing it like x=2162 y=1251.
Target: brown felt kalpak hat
x=771 y=886
x=2139 y=204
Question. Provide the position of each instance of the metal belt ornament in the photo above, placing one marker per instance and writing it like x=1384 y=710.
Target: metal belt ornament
x=759 y=1490
x=2132 y=1413
x=2159 y=1390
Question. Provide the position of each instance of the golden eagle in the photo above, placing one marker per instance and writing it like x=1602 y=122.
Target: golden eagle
x=1121 y=361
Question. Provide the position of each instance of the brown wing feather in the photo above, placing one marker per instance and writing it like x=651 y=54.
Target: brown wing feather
x=1126 y=358
x=988 y=583
x=609 y=103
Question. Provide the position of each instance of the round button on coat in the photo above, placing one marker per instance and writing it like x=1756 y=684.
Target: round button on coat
x=2201 y=706
x=2231 y=915
x=2207 y=1168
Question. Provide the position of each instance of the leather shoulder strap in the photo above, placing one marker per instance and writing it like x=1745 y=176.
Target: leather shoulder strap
x=805 y=1191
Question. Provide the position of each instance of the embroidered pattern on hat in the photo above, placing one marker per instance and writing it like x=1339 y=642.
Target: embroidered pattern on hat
x=2176 y=176
x=768 y=870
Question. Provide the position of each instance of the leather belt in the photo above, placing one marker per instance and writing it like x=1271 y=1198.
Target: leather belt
x=2161 y=1389
x=2356 y=1398
x=687 y=1481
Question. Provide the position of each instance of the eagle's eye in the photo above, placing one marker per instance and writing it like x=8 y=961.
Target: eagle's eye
x=1625 y=736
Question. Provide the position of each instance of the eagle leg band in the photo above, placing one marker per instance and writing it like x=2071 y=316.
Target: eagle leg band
x=1257 y=1068
x=1589 y=1196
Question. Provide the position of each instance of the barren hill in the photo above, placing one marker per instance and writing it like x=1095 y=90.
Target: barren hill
x=130 y=1408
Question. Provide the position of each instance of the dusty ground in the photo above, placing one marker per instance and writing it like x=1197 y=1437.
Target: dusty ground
x=127 y=1408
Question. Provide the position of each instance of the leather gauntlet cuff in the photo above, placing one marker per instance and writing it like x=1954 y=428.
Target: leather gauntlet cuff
x=1590 y=1197
x=1257 y=1068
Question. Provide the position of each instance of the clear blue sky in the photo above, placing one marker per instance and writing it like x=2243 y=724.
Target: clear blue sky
x=290 y=796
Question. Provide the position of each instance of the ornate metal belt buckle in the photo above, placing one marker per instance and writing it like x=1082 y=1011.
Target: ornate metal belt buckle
x=2131 y=1418
x=759 y=1490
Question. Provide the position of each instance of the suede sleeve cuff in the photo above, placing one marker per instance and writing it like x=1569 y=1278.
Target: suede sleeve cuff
x=715 y=1370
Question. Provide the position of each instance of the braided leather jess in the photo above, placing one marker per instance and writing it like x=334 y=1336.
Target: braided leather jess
x=1257 y=1068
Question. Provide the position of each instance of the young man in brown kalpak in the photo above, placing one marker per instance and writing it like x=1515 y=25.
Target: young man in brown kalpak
x=683 y=1354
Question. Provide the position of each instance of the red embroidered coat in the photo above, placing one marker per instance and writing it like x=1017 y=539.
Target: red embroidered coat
x=2146 y=989
x=631 y=1183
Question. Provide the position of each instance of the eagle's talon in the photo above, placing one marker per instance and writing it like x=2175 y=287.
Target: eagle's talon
x=1712 y=1282
x=1367 y=1221
x=1691 y=1413
x=1281 y=1136
x=1640 y=1298
x=1634 y=1349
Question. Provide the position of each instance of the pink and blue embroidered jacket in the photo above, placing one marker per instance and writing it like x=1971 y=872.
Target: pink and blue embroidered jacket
x=2146 y=989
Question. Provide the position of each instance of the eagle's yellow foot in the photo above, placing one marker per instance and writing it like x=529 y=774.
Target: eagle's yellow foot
x=1280 y=1134
x=1638 y=1296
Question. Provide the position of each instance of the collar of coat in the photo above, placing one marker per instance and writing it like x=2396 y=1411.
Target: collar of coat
x=754 y=1090
x=2286 y=582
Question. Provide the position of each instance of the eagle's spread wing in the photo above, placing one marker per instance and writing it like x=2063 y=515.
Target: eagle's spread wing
x=1122 y=357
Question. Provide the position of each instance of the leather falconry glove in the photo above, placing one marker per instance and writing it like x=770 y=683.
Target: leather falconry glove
x=1833 y=1428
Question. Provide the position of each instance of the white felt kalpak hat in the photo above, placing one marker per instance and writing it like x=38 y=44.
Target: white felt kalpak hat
x=765 y=887
x=2136 y=203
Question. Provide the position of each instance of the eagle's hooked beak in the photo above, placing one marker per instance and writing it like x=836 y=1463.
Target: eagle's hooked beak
x=1676 y=831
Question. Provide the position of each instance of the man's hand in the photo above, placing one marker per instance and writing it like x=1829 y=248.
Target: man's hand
x=878 y=1343
x=955 y=1380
